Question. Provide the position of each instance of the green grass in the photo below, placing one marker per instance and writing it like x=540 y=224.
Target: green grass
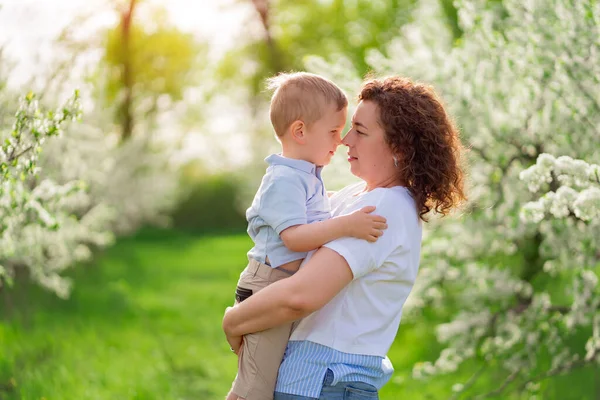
x=143 y=322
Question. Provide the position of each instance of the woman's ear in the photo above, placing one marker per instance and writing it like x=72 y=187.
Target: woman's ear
x=298 y=131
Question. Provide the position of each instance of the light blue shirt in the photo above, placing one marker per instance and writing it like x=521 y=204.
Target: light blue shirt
x=291 y=193
x=305 y=364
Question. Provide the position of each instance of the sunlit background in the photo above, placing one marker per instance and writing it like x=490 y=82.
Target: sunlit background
x=122 y=233
x=30 y=27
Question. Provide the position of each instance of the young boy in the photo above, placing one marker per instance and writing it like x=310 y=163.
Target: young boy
x=290 y=213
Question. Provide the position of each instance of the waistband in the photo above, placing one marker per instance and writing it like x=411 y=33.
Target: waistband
x=265 y=271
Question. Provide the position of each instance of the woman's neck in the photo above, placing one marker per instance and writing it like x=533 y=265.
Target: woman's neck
x=388 y=182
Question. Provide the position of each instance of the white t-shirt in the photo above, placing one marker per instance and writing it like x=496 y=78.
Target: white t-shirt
x=364 y=317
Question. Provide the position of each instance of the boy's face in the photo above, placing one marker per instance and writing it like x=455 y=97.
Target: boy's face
x=325 y=135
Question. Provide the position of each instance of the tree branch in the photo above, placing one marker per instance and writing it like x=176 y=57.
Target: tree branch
x=13 y=157
x=567 y=367
x=481 y=153
x=579 y=85
x=510 y=379
x=472 y=380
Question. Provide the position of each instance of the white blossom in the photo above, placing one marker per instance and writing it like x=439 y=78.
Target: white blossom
x=88 y=188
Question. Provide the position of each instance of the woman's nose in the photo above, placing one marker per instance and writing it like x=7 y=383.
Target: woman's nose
x=346 y=139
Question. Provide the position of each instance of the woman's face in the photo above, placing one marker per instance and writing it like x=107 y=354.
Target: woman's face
x=368 y=153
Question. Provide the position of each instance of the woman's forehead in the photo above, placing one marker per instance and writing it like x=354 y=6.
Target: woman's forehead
x=366 y=113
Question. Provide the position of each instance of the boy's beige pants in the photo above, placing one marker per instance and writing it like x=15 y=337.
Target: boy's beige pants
x=262 y=352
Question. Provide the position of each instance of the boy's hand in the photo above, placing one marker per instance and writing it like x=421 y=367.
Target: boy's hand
x=362 y=224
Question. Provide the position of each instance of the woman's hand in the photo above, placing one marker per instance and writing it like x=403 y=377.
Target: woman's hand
x=289 y=299
x=235 y=342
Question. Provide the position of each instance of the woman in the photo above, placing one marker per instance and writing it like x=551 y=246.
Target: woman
x=406 y=150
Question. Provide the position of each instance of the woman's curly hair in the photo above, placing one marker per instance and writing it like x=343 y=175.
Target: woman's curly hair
x=423 y=138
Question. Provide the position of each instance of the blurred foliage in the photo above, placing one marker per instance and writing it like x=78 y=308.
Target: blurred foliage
x=148 y=62
x=50 y=222
x=209 y=203
x=5 y=97
x=162 y=59
x=292 y=30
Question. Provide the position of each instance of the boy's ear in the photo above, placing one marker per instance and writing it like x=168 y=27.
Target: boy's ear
x=298 y=131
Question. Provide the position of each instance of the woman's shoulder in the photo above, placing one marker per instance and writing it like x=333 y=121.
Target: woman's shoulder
x=393 y=196
x=391 y=201
x=395 y=202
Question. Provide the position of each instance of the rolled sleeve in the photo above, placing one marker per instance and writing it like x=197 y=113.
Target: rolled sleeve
x=358 y=253
x=363 y=256
x=283 y=204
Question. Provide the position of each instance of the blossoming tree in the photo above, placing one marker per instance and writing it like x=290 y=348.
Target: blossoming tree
x=514 y=279
x=39 y=233
x=82 y=190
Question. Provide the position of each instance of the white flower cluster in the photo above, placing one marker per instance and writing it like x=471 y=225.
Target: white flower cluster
x=539 y=174
x=586 y=300
x=572 y=175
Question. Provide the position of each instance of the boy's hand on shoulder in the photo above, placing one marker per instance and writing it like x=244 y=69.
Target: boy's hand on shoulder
x=362 y=224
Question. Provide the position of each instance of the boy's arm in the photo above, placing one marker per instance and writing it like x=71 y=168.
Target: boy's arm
x=360 y=224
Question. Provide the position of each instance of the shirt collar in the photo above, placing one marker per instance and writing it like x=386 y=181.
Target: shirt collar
x=308 y=167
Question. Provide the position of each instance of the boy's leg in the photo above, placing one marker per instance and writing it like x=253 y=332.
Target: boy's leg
x=259 y=363
x=262 y=352
x=245 y=284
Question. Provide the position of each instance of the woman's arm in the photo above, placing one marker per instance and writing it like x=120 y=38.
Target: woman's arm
x=317 y=282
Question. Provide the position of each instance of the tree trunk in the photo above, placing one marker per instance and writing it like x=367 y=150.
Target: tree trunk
x=127 y=106
x=263 y=10
x=7 y=301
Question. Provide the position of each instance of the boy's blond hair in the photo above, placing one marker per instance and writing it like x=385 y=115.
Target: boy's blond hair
x=301 y=96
